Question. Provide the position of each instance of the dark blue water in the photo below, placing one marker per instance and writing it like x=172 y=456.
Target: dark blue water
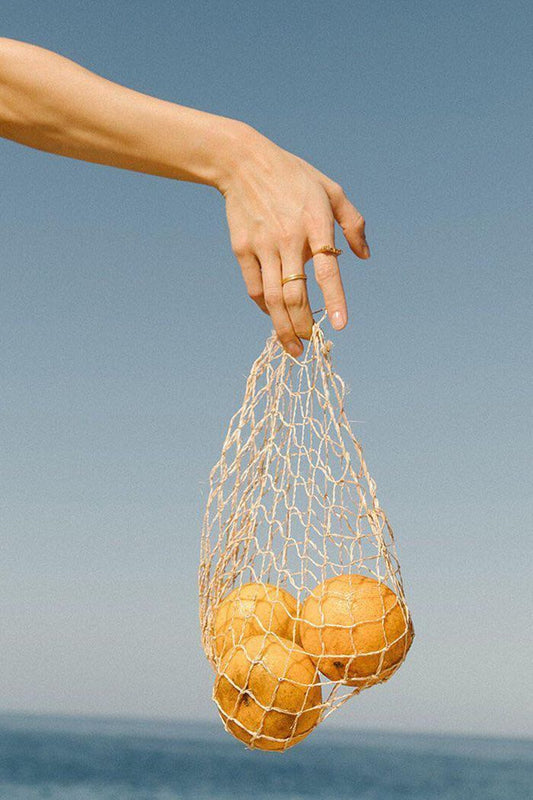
x=69 y=758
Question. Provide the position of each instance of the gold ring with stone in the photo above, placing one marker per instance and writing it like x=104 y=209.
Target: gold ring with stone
x=329 y=249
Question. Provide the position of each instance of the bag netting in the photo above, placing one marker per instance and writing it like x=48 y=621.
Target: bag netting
x=301 y=598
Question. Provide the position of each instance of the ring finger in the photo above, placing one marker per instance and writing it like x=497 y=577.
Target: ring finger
x=295 y=293
x=274 y=301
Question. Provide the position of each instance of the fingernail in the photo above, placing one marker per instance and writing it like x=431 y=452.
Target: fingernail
x=338 y=320
x=367 y=248
x=295 y=349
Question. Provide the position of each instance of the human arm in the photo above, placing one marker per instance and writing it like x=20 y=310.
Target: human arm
x=279 y=208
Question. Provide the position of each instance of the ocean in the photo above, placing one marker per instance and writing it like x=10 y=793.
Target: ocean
x=77 y=758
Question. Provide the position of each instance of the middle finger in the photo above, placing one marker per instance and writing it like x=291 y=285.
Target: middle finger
x=329 y=279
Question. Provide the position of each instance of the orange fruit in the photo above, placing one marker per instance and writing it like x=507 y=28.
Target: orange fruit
x=251 y=609
x=356 y=629
x=268 y=692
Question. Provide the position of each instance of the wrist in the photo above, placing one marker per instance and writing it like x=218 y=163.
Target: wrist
x=235 y=147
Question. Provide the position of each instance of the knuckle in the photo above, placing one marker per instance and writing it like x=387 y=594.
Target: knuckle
x=318 y=228
x=285 y=236
x=263 y=239
x=294 y=297
x=256 y=295
x=240 y=247
x=321 y=220
x=325 y=271
x=273 y=297
x=304 y=327
x=286 y=337
x=337 y=191
x=304 y=331
x=355 y=223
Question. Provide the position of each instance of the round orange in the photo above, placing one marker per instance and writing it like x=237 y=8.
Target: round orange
x=356 y=629
x=268 y=692
x=252 y=609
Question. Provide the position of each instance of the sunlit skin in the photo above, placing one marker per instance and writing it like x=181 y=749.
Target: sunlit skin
x=279 y=208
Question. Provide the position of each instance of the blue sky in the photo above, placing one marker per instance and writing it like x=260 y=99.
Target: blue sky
x=127 y=336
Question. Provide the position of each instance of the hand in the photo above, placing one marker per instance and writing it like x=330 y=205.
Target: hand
x=280 y=210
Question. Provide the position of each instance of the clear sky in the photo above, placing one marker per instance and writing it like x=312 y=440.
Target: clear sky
x=126 y=337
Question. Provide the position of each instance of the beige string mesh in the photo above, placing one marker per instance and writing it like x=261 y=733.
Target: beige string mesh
x=301 y=599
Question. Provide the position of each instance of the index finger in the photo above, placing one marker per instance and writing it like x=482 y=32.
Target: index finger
x=351 y=221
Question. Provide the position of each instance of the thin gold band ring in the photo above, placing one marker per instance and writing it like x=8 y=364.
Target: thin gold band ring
x=296 y=277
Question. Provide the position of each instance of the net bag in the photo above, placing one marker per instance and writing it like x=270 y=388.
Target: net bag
x=301 y=598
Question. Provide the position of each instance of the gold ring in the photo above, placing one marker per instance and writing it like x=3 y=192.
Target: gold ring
x=330 y=249
x=296 y=277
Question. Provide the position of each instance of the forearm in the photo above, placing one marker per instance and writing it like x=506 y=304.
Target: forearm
x=51 y=103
